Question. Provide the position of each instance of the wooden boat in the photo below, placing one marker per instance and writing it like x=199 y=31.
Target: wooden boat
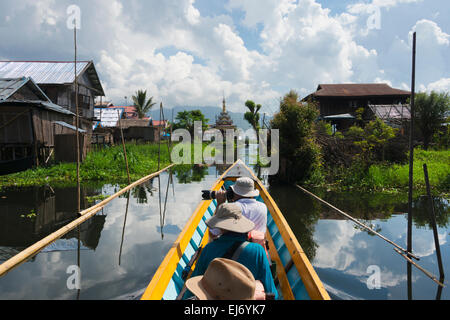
x=295 y=279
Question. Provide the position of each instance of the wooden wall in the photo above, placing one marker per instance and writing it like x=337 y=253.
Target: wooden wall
x=25 y=125
x=16 y=125
x=44 y=126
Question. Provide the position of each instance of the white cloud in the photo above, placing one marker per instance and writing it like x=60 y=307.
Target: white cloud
x=442 y=85
x=184 y=58
x=336 y=245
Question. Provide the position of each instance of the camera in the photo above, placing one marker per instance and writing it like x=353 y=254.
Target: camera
x=210 y=195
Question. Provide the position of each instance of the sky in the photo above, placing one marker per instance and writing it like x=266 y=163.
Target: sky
x=194 y=52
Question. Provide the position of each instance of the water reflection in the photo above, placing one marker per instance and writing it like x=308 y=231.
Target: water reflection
x=343 y=253
x=31 y=214
x=190 y=173
x=301 y=213
x=120 y=250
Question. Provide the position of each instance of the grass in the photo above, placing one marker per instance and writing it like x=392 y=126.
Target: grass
x=388 y=177
x=397 y=176
x=105 y=166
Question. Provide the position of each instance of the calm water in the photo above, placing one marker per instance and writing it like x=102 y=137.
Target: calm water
x=121 y=248
x=342 y=252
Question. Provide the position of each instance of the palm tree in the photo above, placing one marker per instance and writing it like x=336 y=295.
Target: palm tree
x=142 y=105
x=252 y=116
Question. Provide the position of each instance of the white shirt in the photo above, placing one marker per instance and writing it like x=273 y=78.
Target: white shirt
x=256 y=212
x=253 y=210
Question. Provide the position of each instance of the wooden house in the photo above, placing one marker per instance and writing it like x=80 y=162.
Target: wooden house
x=57 y=80
x=137 y=130
x=338 y=103
x=27 y=124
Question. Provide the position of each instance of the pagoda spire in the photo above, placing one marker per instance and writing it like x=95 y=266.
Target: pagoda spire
x=224 y=104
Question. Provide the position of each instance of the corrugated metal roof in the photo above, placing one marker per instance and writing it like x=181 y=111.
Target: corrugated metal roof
x=358 y=90
x=66 y=125
x=339 y=116
x=50 y=72
x=9 y=87
x=42 y=72
x=387 y=112
x=128 y=123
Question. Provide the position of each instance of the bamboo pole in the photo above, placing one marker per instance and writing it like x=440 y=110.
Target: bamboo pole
x=357 y=222
x=411 y=148
x=124 y=148
x=77 y=115
x=124 y=225
x=411 y=168
x=398 y=249
x=428 y=274
x=159 y=134
x=433 y=223
x=85 y=215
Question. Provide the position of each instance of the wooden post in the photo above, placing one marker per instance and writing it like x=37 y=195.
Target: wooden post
x=77 y=121
x=433 y=223
x=124 y=225
x=125 y=149
x=159 y=134
x=411 y=148
x=411 y=168
x=164 y=129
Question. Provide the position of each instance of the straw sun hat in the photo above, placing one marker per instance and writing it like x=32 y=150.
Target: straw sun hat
x=229 y=217
x=223 y=280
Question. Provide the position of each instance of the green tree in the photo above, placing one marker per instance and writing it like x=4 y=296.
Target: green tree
x=142 y=105
x=299 y=153
x=252 y=116
x=372 y=138
x=430 y=110
x=187 y=119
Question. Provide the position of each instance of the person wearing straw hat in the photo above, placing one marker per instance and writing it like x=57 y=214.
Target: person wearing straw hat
x=224 y=280
x=233 y=245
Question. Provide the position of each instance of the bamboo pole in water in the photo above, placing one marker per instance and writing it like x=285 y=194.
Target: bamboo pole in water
x=85 y=215
x=398 y=249
x=411 y=147
x=77 y=115
x=124 y=148
x=357 y=222
x=433 y=223
x=411 y=168
x=428 y=274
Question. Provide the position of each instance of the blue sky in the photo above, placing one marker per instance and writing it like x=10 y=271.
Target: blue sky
x=189 y=52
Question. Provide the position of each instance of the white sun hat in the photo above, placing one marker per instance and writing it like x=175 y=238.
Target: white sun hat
x=245 y=187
